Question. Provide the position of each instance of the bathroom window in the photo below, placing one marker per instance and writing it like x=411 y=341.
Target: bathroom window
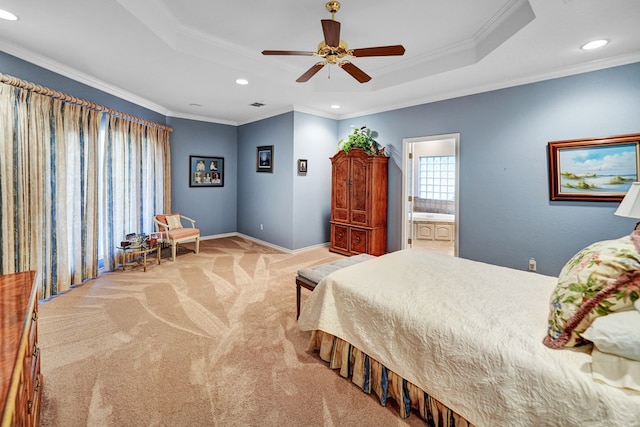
x=437 y=175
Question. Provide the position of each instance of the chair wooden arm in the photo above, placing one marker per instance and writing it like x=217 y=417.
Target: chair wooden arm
x=159 y=225
x=193 y=222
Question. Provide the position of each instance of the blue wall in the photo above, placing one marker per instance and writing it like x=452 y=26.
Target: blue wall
x=293 y=209
x=266 y=198
x=505 y=214
x=213 y=208
x=315 y=139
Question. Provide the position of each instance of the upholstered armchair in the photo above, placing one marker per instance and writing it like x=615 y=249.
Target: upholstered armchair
x=173 y=232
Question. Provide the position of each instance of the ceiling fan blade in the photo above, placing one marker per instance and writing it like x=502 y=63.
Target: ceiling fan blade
x=355 y=72
x=310 y=72
x=331 y=30
x=395 y=50
x=287 y=52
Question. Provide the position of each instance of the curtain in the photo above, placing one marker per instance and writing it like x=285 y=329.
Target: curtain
x=48 y=200
x=136 y=178
x=71 y=177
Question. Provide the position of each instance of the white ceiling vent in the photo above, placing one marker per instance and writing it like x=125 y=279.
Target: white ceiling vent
x=257 y=104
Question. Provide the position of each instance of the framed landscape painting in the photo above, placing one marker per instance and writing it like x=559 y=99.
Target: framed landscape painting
x=599 y=169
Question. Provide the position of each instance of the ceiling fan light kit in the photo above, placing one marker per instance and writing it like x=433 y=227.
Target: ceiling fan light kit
x=332 y=50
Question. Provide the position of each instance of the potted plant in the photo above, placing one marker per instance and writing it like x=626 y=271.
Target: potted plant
x=362 y=138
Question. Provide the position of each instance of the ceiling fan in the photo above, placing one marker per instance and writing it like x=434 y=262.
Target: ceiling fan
x=332 y=50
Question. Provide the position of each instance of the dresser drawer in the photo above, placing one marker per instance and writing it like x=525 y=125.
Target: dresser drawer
x=340 y=237
x=21 y=385
x=358 y=240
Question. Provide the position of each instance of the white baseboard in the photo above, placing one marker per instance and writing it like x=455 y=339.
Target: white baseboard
x=262 y=242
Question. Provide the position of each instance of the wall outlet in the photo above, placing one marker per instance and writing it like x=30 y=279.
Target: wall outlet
x=532 y=264
x=261 y=227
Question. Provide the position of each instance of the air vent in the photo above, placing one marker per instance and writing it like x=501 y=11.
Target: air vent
x=257 y=104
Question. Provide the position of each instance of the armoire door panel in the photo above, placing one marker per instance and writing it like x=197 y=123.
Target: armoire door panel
x=340 y=191
x=359 y=190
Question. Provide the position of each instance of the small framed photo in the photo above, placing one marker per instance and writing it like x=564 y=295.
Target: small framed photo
x=594 y=170
x=154 y=238
x=206 y=171
x=264 y=158
x=302 y=166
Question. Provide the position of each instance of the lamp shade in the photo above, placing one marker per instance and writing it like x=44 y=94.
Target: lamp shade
x=630 y=205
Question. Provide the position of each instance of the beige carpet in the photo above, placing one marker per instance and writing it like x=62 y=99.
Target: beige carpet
x=208 y=340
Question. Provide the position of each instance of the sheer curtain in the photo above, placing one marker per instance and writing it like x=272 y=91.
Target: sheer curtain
x=48 y=204
x=63 y=185
x=136 y=167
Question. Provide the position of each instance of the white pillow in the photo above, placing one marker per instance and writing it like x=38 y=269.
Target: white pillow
x=617 y=333
x=615 y=370
x=173 y=221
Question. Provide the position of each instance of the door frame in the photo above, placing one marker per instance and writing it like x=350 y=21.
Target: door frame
x=407 y=147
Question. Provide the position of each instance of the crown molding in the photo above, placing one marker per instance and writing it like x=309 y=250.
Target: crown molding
x=75 y=75
x=533 y=78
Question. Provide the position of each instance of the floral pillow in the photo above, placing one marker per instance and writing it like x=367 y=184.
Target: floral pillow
x=602 y=278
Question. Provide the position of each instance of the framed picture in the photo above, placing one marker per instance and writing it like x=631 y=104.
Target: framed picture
x=206 y=171
x=155 y=235
x=154 y=238
x=596 y=170
x=264 y=158
x=302 y=166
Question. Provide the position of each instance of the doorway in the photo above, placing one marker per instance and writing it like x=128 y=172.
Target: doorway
x=430 y=177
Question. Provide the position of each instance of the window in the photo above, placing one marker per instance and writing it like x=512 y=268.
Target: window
x=437 y=177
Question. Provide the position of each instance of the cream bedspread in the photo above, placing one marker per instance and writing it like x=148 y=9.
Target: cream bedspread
x=470 y=334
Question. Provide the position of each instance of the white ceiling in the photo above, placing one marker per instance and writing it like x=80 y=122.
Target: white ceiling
x=168 y=55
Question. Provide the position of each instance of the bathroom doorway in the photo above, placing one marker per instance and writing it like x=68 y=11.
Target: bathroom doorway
x=430 y=193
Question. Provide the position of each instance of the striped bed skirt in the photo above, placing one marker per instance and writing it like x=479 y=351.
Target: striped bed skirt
x=372 y=376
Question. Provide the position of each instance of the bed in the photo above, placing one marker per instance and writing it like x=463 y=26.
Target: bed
x=459 y=342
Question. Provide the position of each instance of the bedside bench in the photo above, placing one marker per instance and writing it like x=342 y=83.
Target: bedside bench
x=308 y=278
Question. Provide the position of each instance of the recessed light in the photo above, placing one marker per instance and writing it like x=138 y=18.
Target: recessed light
x=4 y=14
x=595 y=44
x=242 y=81
x=335 y=106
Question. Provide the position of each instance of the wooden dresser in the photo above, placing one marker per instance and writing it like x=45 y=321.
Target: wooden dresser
x=20 y=377
x=358 y=203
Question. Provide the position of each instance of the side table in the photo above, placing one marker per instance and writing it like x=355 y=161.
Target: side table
x=138 y=254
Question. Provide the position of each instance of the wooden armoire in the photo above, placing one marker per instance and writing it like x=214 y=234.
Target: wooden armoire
x=358 y=203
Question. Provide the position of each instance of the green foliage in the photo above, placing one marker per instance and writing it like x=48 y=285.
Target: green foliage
x=619 y=180
x=583 y=185
x=571 y=175
x=362 y=138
